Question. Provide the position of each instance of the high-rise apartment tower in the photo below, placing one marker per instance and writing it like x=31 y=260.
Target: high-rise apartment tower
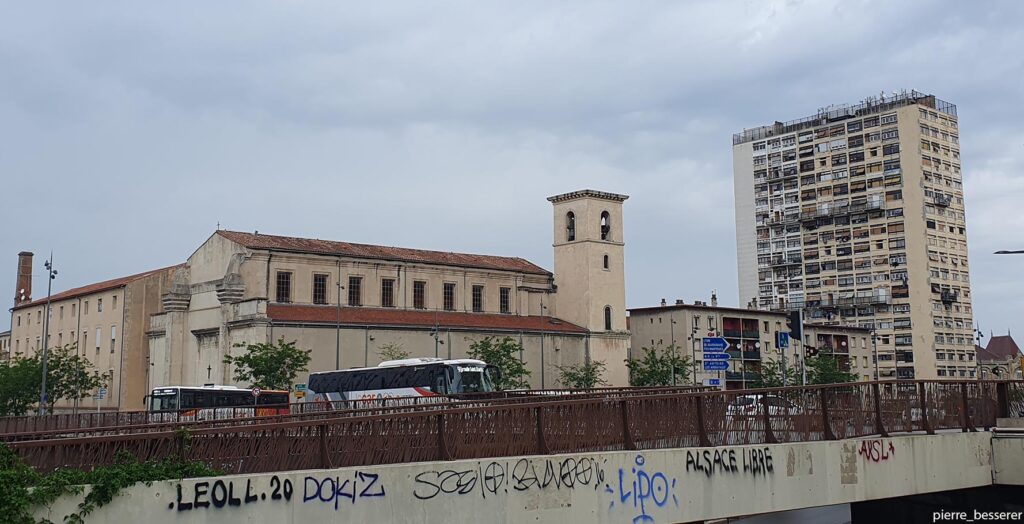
x=856 y=215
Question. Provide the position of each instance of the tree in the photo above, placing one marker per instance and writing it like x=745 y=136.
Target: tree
x=583 y=376
x=826 y=369
x=19 y=385
x=503 y=353
x=656 y=367
x=392 y=351
x=771 y=375
x=70 y=376
x=269 y=366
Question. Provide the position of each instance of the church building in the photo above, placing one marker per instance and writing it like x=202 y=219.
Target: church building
x=347 y=301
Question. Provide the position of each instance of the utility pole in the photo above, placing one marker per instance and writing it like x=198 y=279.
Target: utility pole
x=874 y=350
x=337 y=342
x=51 y=274
x=803 y=357
x=672 y=331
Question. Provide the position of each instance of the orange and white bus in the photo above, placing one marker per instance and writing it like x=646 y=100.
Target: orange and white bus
x=210 y=402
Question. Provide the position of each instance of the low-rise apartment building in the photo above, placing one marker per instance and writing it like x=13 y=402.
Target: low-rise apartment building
x=752 y=335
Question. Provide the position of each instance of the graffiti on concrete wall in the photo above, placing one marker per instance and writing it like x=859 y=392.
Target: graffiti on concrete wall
x=635 y=492
x=642 y=488
x=334 y=490
x=491 y=478
x=331 y=490
x=750 y=461
x=226 y=494
x=637 y=489
x=877 y=450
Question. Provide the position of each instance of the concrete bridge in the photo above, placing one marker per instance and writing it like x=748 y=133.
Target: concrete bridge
x=638 y=486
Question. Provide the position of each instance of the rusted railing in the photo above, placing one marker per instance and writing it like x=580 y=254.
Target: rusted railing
x=87 y=424
x=596 y=422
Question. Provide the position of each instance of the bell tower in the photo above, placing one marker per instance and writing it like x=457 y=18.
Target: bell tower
x=589 y=261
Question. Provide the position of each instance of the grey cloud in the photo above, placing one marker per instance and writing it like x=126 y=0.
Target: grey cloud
x=129 y=131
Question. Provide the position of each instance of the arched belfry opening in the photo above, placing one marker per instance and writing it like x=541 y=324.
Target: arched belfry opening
x=570 y=226
x=606 y=226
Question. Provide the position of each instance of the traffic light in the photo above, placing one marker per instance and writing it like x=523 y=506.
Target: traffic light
x=793 y=322
x=811 y=351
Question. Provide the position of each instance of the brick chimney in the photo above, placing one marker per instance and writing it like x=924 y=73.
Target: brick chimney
x=23 y=289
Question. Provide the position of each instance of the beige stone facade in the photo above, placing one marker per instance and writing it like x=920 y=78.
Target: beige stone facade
x=856 y=215
x=752 y=335
x=252 y=287
x=106 y=322
x=5 y=345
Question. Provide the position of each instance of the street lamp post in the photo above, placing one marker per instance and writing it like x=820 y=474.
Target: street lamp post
x=693 y=353
x=51 y=274
x=874 y=349
x=337 y=342
x=672 y=331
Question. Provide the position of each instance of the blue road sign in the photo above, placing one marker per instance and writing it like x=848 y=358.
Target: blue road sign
x=712 y=382
x=716 y=365
x=715 y=345
x=783 y=340
x=716 y=356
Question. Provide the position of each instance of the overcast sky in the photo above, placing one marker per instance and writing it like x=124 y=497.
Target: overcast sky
x=128 y=131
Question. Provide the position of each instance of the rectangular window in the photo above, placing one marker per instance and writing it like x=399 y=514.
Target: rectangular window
x=505 y=299
x=73 y=308
x=419 y=294
x=85 y=341
x=99 y=305
x=113 y=301
x=61 y=315
x=449 y=296
x=387 y=292
x=319 y=289
x=113 y=338
x=99 y=336
x=284 y=287
x=478 y=299
x=355 y=291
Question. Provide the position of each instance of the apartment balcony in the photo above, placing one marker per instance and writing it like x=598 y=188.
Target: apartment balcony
x=842 y=210
x=736 y=354
x=783 y=219
x=949 y=297
x=831 y=302
x=942 y=200
x=739 y=375
x=787 y=261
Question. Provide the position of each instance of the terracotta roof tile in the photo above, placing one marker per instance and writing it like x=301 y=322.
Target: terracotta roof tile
x=331 y=247
x=95 y=288
x=999 y=348
x=408 y=318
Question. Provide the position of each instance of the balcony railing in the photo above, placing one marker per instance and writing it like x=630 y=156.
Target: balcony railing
x=942 y=200
x=842 y=210
x=850 y=301
x=948 y=297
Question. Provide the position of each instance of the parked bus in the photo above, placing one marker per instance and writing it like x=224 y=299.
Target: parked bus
x=407 y=378
x=210 y=402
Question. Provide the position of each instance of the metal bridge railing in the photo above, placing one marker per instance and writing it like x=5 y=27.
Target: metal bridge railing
x=614 y=420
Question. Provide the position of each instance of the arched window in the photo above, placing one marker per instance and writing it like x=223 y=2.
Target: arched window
x=606 y=261
x=570 y=226
x=607 y=318
x=606 y=226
